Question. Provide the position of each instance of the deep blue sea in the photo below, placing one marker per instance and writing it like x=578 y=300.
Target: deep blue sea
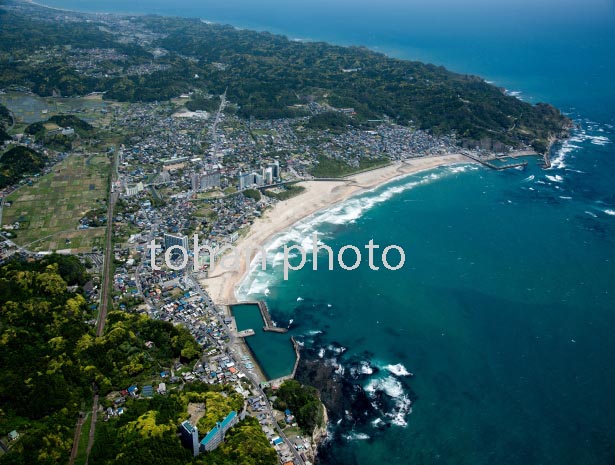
x=505 y=308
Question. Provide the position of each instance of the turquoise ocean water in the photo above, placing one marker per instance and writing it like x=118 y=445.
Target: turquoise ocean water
x=505 y=309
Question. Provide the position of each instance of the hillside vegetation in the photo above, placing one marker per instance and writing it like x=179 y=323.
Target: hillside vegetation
x=269 y=76
x=52 y=363
x=18 y=162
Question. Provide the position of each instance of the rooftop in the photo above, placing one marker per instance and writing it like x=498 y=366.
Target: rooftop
x=219 y=426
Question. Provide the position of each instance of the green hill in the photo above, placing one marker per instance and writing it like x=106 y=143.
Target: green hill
x=18 y=162
x=6 y=120
x=52 y=361
x=270 y=76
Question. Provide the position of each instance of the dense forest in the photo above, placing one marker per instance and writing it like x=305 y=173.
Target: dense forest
x=51 y=360
x=6 y=120
x=268 y=76
x=18 y=162
x=303 y=402
x=332 y=121
x=59 y=141
x=147 y=432
x=52 y=364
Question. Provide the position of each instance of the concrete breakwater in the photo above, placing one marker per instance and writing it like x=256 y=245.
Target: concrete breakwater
x=269 y=324
x=279 y=381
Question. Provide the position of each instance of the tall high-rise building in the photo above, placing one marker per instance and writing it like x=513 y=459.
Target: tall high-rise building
x=275 y=168
x=205 y=180
x=246 y=180
x=210 y=179
x=195 y=182
x=268 y=175
x=170 y=240
x=190 y=437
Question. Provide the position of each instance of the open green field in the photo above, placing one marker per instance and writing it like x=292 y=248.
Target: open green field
x=332 y=168
x=49 y=211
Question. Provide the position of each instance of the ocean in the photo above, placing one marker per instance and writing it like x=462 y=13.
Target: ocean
x=505 y=309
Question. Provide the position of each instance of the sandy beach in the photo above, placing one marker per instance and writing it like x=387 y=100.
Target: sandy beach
x=318 y=195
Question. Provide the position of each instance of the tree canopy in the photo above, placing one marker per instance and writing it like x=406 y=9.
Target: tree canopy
x=267 y=76
x=18 y=162
x=51 y=359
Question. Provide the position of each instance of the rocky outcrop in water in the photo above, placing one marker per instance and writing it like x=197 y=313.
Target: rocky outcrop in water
x=344 y=398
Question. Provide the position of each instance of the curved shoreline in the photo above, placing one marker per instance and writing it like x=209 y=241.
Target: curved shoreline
x=318 y=195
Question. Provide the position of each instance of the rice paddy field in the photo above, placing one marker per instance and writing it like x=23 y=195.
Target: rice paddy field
x=29 y=108
x=48 y=212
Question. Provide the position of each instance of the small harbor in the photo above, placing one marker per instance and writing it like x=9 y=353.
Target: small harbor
x=495 y=163
x=274 y=352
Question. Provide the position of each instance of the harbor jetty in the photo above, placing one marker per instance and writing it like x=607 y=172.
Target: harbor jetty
x=278 y=381
x=487 y=162
x=547 y=159
x=269 y=324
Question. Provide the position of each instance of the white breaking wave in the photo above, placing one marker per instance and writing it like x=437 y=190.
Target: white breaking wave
x=260 y=283
x=403 y=407
x=579 y=136
x=344 y=213
x=610 y=212
x=356 y=437
x=398 y=370
x=592 y=214
x=556 y=178
x=257 y=281
x=394 y=389
x=314 y=332
x=365 y=368
x=389 y=385
x=558 y=161
x=462 y=168
x=337 y=350
x=599 y=140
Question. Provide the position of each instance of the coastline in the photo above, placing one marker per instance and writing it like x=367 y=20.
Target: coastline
x=318 y=195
